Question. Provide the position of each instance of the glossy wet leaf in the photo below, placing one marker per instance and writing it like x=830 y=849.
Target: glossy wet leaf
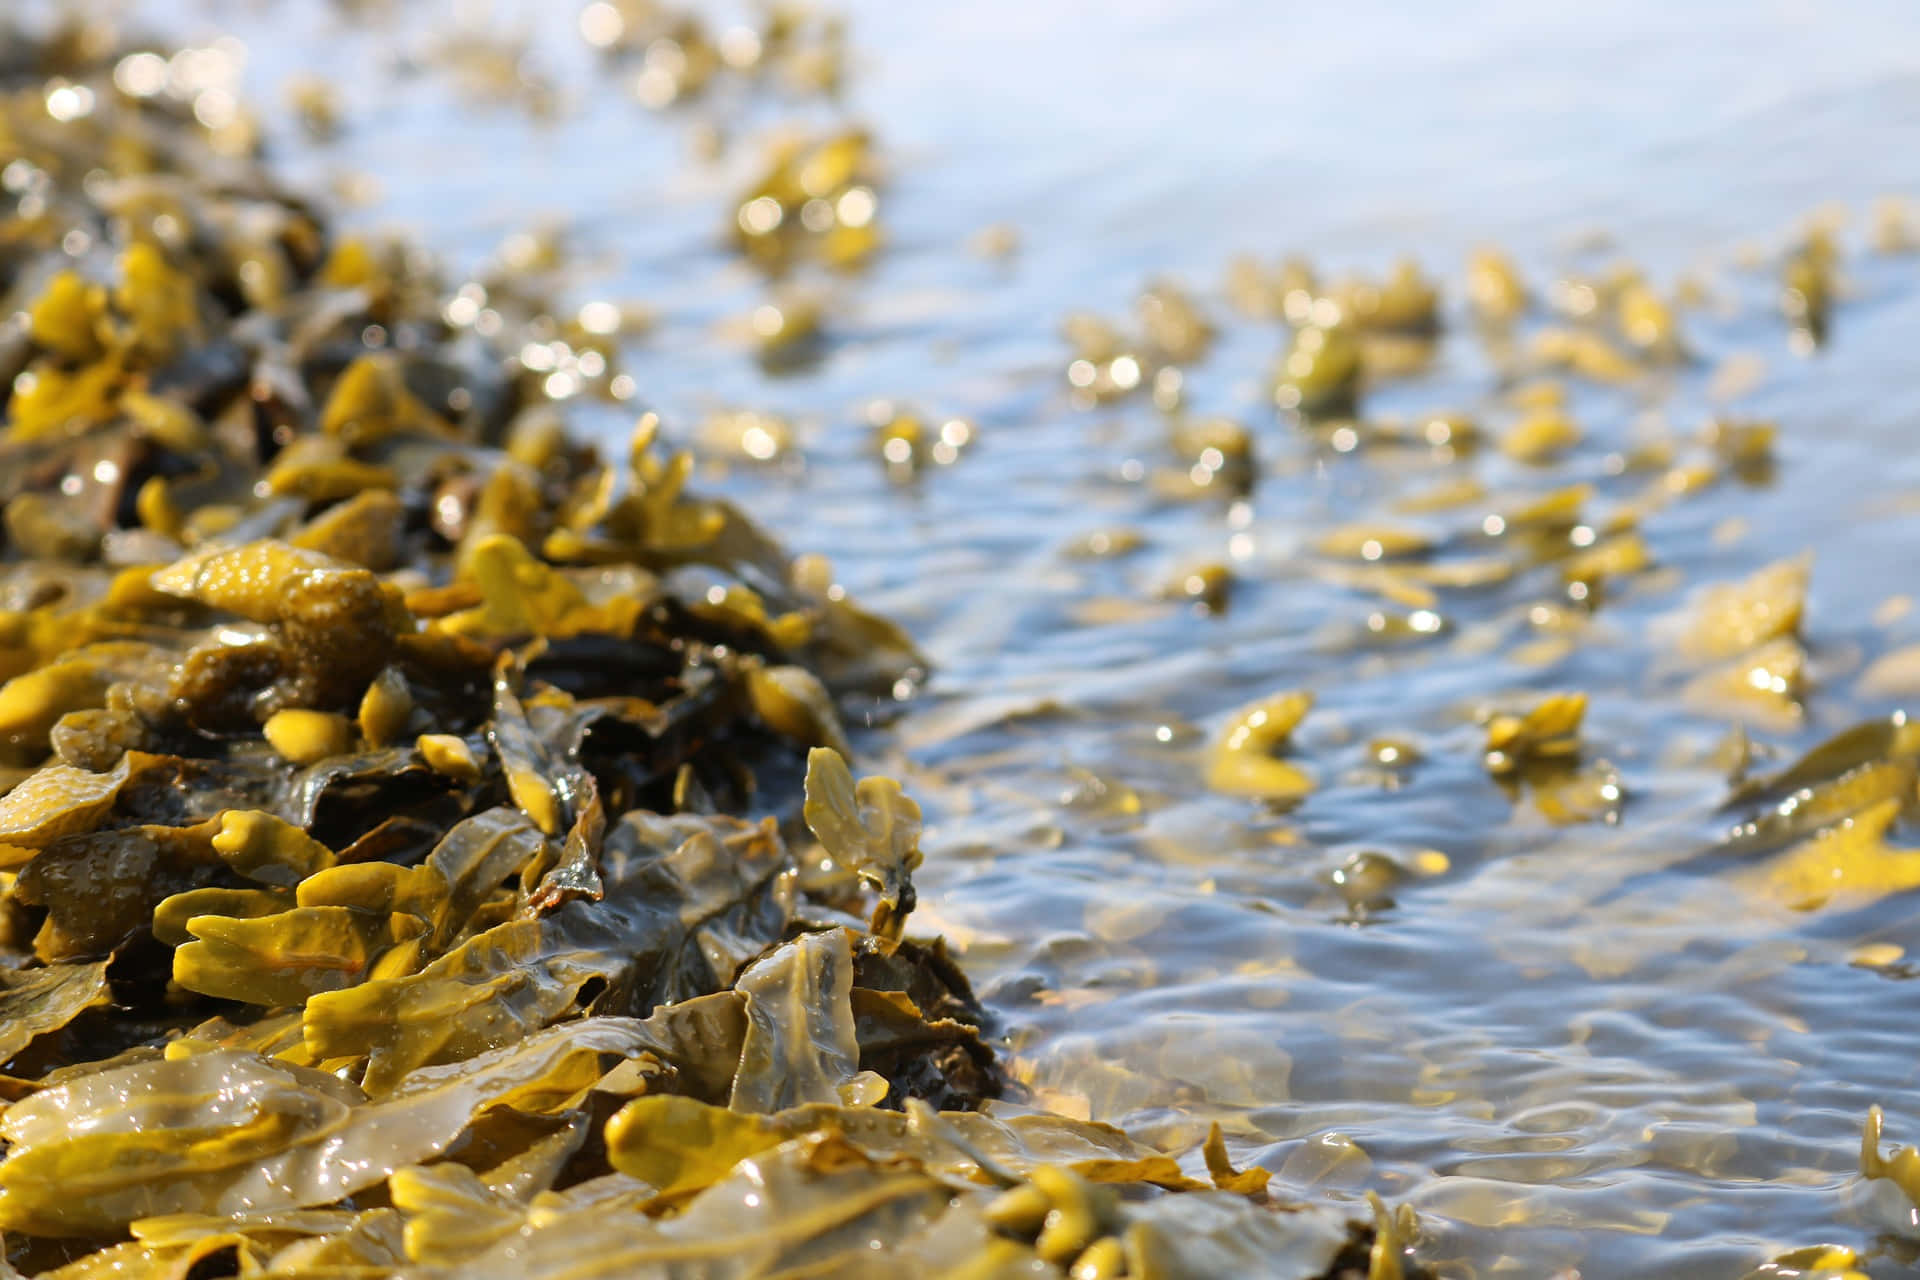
x=792 y=701
x=801 y=1044
x=285 y=958
x=99 y=888
x=451 y=1214
x=474 y=858
x=677 y=1145
x=873 y=827
x=1550 y=730
x=266 y=849
x=1225 y=1176
x=1565 y=793
x=55 y=801
x=370 y=401
x=771 y=1217
x=364 y=530
x=371 y=1241
x=1902 y=1168
x=221 y=1132
x=305 y=737
x=316 y=469
x=576 y=873
x=36 y=1001
x=1882 y=738
x=336 y=624
x=385 y=709
x=1850 y=860
x=648 y=939
x=1243 y=761
x=33 y=702
x=1762 y=687
x=449 y=755
x=533 y=776
x=252 y=581
x=171 y=914
x=520 y=596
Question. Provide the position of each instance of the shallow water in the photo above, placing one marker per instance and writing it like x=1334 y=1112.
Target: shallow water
x=1576 y=1046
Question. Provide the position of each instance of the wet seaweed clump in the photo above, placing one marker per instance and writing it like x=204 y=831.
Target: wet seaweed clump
x=815 y=201
x=670 y=56
x=394 y=873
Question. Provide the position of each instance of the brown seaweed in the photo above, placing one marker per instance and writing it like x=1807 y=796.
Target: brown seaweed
x=392 y=852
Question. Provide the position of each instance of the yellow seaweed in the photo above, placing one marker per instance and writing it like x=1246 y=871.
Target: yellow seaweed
x=871 y=827
x=48 y=402
x=520 y=595
x=1549 y=731
x=1373 y=542
x=370 y=401
x=1727 y=619
x=1541 y=437
x=364 y=530
x=34 y=701
x=1242 y=761
x=385 y=709
x=1902 y=1168
x=268 y=850
x=285 y=958
x=678 y=1145
x=1851 y=860
x=159 y=303
x=57 y=800
x=450 y=755
x=308 y=737
x=69 y=318
x=1220 y=1167
x=791 y=700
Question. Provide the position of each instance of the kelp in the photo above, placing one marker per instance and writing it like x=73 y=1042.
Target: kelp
x=393 y=854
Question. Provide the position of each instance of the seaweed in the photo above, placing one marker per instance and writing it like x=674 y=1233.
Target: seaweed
x=400 y=841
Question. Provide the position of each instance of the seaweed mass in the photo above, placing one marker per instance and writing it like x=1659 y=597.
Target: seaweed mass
x=398 y=862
